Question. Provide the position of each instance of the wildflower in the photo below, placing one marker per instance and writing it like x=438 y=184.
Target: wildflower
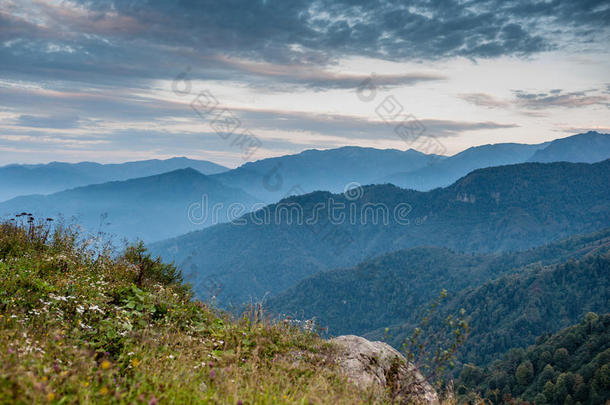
x=212 y=374
x=50 y=396
x=153 y=401
x=105 y=364
x=135 y=362
x=104 y=391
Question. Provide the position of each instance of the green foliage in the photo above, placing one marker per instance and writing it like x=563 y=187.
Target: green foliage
x=432 y=349
x=585 y=375
x=524 y=373
x=149 y=269
x=514 y=310
x=80 y=326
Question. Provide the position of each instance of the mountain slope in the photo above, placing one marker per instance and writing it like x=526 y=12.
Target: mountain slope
x=330 y=170
x=589 y=147
x=149 y=208
x=17 y=180
x=384 y=290
x=573 y=362
x=501 y=208
x=513 y=310
x=446 y=171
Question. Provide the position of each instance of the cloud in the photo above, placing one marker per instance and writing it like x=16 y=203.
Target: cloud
x=540 y=101
x=137 y=40
x=484 y=100
x=99 y=69
x=57 y=121
x=318 y=78
x=581 y=130
x=116 y=121
x=558 y=98
x=352 y=127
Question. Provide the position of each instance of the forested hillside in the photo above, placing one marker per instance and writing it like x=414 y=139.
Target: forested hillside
x=571 y=366
x=514 y=309
x=384 y=290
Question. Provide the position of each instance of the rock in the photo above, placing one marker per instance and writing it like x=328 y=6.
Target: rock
x=365 y=363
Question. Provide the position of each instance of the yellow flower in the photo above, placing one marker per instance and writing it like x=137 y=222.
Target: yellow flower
x=135 y=362
x=104 y=391
x=105 y=364
x=50 y=396
x=44 y=378
x=86 y=383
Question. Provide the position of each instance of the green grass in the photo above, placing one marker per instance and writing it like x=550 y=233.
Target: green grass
x=79 y=325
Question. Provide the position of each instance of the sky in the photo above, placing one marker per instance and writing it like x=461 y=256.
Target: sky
x=239 y=80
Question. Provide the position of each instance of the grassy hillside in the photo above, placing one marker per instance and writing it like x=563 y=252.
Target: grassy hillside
x=569 y=367
x=79 y=326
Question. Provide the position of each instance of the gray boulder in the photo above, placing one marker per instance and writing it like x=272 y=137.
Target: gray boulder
x=367 y=363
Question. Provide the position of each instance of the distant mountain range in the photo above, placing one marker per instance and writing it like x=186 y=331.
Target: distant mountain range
x=589 y=147
x=18 y=180
x=148 y=208
x=494 y=209
x=265 y=181
x=329 y=170
x=332 y=170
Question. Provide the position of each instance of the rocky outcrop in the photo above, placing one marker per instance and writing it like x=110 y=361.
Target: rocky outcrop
x=365 y=363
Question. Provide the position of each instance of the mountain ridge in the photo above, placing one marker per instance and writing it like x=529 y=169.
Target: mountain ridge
x=18 y=180
x=148 y=208
x=494 y=209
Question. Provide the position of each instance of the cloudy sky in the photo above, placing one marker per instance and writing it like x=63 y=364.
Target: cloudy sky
x=117 y=80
